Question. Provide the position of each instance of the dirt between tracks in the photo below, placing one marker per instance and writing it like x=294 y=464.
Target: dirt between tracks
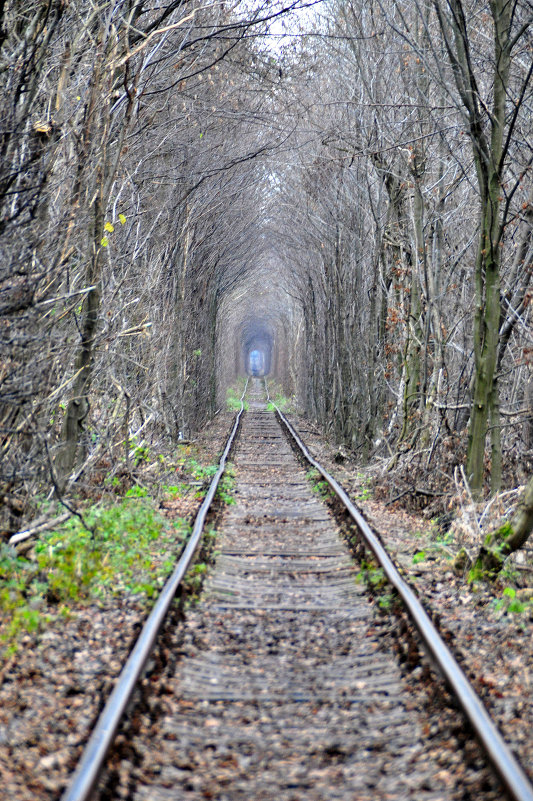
x=494 y=647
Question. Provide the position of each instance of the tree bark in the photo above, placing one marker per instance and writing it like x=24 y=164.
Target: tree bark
x=488 y=155
x=96 y=137
x=522 y=522
x=508 y=538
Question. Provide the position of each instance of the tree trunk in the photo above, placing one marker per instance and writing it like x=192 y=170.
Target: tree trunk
x=508 y=538
x=495 y=440
x=488 y=156
x=78 y=406
x=486 y=336
x=522 y=523
x=98 y=142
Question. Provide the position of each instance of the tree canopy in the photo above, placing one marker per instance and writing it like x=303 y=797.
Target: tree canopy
x=347 y=182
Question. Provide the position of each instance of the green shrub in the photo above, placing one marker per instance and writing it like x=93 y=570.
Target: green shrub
x=130 y=550
x=233 y=399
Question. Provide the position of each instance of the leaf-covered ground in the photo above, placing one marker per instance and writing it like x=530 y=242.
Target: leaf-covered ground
x=488 y=626
x=55 y=682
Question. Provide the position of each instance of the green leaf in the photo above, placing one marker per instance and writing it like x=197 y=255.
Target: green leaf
x=510 y=592
x=104 y=241
x=419 y=557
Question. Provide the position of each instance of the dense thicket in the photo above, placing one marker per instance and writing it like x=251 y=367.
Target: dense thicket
x=168 y=174
x=130 y=135
x=414 y=237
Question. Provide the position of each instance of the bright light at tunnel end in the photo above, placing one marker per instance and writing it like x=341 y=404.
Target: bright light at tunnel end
x=256 y=363
x=257 y=351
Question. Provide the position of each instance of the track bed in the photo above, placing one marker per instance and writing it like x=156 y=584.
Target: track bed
x=286 y=687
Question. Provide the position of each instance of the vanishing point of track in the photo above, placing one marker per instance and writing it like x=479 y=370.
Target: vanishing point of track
x=283 y=672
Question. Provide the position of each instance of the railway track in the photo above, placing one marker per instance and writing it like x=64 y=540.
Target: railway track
x=286 y=685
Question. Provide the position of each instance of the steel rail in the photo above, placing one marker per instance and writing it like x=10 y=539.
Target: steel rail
x=498 y=751
x=88 y=769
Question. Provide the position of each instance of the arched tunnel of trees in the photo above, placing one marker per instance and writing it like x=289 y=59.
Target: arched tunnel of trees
x=337 y=195
x=262 y=318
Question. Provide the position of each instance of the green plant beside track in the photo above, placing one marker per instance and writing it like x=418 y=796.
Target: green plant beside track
x=129 y=551
x=374 y=578
x=283 y=403
x=234 y=395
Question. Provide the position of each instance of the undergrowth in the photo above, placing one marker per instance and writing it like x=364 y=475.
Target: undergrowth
x=375 y=580
x=125 y=549
x=233 y=396
x=281 y=401
x=203 y=474
x=318 y=484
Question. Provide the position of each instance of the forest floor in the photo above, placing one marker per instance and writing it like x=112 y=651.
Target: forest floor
x=487 y=625
x=55 y=683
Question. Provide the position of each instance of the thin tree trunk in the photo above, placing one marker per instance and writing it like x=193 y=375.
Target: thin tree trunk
x=96 y=139
x=495 y=440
